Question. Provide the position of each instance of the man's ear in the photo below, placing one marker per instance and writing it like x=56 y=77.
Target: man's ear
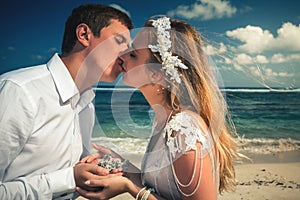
x=83 y=34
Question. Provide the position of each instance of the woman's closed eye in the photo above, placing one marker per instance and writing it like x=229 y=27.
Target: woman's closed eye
x=132 y=54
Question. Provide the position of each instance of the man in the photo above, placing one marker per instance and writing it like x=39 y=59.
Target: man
x=46 y=111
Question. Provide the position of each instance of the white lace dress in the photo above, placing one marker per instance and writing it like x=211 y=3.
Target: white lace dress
x=163 y=149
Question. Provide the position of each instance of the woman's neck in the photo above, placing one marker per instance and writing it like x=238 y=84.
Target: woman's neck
x=158 y=103
x=162 y=113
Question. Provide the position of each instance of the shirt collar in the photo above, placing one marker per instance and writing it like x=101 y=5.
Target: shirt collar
x=63 y=80
x=66 y=86
x=86 y=97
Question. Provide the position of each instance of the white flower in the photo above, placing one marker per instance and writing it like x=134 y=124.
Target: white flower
x=188 y=134
x=163 y=46
x=190 y=141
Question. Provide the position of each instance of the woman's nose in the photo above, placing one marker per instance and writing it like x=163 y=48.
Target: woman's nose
x=122 y=55
x=123 y=47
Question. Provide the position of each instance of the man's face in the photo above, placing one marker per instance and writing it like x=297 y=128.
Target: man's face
x=102 y=61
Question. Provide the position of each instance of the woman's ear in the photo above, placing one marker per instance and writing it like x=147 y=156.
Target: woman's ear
x=156 y=76
x=83 y=34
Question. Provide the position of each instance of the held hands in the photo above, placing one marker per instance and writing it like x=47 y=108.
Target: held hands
x=106 y=158
x=111 y=187
x=89 y=168
x=86 y=171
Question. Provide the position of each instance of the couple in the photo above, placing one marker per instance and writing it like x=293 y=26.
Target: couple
x=47 y=115
x=190 y=152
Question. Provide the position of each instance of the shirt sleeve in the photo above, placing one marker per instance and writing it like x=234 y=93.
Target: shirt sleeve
x=16 y=122
x=87 y=121
x=56 y=185
x=62 y=182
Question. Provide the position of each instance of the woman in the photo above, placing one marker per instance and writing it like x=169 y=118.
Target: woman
x=190 y=154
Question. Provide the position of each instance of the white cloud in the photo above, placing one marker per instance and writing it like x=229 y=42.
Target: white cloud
x=212 y=50
x=288 y=37
x=53 y=49
x=237 y=67
x=254 y=38
x=120 y=8
x=205 y=10
x=261 y=59
x=227 y=60
x=37 y=57
x=280 y=58
x=255 y=71
x=257 y=40
x=11 y=48
x=243 y=59
x=271 y=74
x=246 y=59
x=268 y=73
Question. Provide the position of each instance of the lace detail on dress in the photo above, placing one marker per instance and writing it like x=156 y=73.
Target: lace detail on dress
x=187 y=133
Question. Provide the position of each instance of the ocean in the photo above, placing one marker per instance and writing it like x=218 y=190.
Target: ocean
x=266 y=121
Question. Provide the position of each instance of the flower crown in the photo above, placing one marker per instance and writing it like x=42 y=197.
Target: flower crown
x=164 y=44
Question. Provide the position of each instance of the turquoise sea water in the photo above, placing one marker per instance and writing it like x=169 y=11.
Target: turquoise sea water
x=264 y=119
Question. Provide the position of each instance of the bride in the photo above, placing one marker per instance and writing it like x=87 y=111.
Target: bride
x=191 y=151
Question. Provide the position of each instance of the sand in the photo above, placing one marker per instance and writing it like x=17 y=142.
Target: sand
x=267 y=176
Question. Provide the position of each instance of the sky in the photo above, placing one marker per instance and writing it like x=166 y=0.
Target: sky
x=253 y=43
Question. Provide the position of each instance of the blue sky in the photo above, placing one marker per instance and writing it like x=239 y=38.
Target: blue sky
x=253 y=42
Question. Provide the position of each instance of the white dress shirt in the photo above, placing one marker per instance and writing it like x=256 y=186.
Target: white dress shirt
x=45 y=127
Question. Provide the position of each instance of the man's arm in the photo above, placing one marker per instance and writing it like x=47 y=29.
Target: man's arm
x=16 y=122
x=17 y=114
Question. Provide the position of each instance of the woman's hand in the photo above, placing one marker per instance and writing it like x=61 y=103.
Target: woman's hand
x=102 y=151
x=112 y=186
x=92 y=159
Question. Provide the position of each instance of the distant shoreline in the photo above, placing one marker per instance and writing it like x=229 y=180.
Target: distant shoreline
x=226 y=89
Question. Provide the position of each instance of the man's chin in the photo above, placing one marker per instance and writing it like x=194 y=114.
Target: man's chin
x=109 y=79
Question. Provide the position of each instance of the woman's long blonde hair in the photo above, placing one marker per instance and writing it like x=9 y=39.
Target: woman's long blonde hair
x=199 y=92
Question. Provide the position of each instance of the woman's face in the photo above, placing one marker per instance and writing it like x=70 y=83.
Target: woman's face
x=135 y=62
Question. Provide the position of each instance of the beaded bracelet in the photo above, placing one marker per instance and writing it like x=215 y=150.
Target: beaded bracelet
x=146 y=195
x=137 y=195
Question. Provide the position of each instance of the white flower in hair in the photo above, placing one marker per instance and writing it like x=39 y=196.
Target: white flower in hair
x=163 y=46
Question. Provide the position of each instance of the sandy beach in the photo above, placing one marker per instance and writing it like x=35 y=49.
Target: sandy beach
x=267 y=176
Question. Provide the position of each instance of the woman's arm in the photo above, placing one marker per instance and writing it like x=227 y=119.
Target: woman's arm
x=194 y=177
x=115 y=186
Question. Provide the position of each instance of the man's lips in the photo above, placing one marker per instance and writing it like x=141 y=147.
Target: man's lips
x=123 y=68
x=121 y=64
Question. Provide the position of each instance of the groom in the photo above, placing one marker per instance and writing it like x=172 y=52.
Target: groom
x=46 y=111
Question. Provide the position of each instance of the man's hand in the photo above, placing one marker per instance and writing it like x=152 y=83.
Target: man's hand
x=86 y=171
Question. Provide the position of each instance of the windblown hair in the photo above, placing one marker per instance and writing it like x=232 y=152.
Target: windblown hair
x=199 y=92
x=96 y=16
